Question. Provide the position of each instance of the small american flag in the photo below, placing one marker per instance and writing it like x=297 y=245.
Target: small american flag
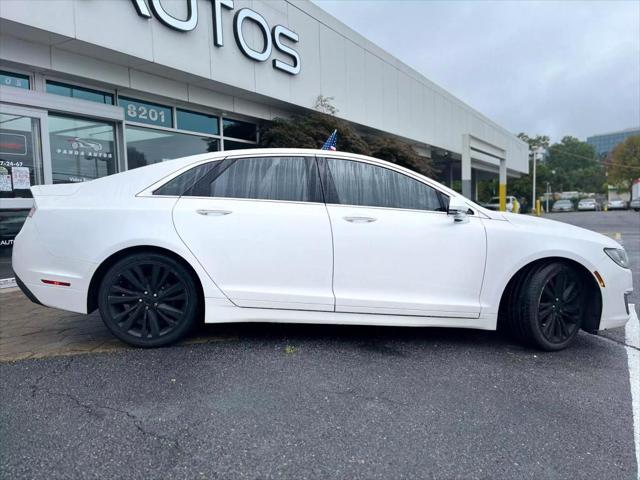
x=330 y=144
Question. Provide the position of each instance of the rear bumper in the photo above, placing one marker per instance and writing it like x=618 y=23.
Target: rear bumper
x=28 y=293
x=32 y=263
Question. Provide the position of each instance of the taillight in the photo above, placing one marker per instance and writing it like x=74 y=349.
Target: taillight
x=56 y=283
x=32 y=212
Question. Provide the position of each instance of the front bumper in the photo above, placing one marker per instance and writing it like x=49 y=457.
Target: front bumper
x=616 y=311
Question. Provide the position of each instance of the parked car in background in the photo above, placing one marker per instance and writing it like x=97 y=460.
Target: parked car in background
x=563 y=206
x=512 y=204
x=588 y=205
x=287 y=235
x=617 y=205
x=635 y=204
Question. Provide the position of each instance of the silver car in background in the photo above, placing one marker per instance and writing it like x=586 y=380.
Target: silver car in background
x=563 y=206
x=617 y=205
x=588 y=205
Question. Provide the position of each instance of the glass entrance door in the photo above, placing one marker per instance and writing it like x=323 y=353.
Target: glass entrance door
x=21 y=166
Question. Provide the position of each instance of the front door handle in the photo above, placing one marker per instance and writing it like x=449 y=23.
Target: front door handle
x=214 y=213
x=360 y=219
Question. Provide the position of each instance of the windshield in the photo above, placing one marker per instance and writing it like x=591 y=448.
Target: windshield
x=563 y=202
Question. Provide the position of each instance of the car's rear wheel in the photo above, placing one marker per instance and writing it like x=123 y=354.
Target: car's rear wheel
x=148 y=300
x=546 y=306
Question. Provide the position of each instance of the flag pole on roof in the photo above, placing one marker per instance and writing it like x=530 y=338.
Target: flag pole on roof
x=330 y=144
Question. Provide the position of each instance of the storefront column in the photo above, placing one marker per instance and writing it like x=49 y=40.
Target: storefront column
x=503 y=185
x=466 y=166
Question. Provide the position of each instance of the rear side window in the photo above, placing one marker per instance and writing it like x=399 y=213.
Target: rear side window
x=186 y=181
x=264 y=178
x=363 y=184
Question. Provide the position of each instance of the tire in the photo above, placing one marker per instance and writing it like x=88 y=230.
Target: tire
x=148 y=300
x=546 y=306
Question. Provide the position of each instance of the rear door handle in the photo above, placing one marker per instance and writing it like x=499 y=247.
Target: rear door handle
x=214 y=213
x=360 y=219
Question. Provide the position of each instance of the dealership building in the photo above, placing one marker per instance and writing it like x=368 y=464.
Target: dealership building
x=91 y=88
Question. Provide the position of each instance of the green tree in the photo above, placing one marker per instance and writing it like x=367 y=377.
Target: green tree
x=395 y=151
x=576 y=166
x=624 y=163
x=568 y=165
x=312 y=130
x=521 y=187
x=539 y=141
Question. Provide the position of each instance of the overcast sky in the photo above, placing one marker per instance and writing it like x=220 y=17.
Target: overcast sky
x=550 y=67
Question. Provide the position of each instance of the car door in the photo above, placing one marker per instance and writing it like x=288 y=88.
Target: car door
x=260 y=228
x=396 y=251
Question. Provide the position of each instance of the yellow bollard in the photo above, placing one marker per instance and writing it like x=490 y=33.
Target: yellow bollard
x=502 y=191
x=538 y=207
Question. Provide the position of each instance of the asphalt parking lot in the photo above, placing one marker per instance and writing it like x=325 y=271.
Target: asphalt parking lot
x=292 y=401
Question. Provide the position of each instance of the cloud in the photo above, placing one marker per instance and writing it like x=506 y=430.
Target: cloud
x=550 y=67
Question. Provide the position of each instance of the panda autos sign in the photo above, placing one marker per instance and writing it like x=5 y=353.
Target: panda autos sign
x=272 y=37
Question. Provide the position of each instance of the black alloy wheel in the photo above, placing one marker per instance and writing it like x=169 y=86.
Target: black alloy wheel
x=148 y=300
x=545 y=306
x=559 y=307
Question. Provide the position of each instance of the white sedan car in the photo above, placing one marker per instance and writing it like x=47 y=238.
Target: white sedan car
x=312 y=237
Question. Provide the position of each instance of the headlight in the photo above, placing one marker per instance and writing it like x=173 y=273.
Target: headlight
x=618 y=255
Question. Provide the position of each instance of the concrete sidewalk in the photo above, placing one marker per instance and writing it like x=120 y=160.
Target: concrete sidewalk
x=28 y=330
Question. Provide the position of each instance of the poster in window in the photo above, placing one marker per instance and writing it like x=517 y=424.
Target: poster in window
x=21 y=179
x=5 y=183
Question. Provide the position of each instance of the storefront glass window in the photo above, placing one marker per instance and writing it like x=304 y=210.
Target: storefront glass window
x=81 y=93
x=146 y=112
x=146 y=146
x=20 y=159
x=10 y=224
x=241 y=130
x=81 y=149
x=197 y=122
x=231 y=145
x=14 y=80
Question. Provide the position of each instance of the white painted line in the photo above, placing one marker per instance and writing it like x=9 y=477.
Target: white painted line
x=632 y=337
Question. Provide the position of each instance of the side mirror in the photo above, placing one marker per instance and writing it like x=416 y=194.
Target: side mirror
x=458 y=209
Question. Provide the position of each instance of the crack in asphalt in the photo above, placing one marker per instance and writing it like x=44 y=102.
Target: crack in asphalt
x=93 y=409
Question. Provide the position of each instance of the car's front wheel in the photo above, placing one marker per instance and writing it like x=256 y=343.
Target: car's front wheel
x=148 y=300
x=546 y=306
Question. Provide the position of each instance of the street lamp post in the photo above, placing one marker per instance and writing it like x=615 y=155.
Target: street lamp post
x=548 y=193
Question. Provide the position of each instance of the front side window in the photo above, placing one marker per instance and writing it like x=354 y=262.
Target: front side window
x=361 y=184
x=269 y=178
